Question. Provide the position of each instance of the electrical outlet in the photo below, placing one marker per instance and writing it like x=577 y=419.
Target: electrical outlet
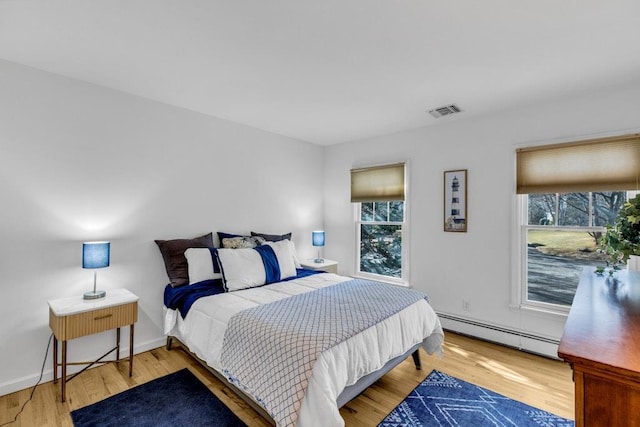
x=465 y=305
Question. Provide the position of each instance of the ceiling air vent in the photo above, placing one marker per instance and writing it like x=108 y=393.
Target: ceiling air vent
x=445 y=111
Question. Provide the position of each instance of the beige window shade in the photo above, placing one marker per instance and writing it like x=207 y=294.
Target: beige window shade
x=607 y=164
x=378 y=183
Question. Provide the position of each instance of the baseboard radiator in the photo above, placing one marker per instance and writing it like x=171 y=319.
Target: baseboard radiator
x=501 y=329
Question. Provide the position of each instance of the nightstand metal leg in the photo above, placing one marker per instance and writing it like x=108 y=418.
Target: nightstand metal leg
x=55 y=359
x=64 y=371
x=118 y=344
x=131 y=350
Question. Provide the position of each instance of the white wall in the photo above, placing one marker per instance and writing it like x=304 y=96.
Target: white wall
x=475 y=266
x=79 y=162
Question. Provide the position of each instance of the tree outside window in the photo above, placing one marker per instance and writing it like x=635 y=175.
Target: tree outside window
x=381 y=237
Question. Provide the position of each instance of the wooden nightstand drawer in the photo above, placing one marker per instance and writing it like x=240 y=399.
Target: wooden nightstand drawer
x=91 y=322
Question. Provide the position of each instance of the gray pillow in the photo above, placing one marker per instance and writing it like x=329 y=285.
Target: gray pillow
x=272 y=237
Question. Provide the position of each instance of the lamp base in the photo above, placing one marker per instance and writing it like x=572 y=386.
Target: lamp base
x=318 y=261
x=94 y=294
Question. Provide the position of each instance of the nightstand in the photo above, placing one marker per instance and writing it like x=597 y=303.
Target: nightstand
x=327 y=265
x=75 y=317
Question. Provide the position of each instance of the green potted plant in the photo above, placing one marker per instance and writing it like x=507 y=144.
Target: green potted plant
x=622 y=240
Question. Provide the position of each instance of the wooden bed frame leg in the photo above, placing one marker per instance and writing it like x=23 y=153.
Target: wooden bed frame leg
x=169 y=342
x=416 y=359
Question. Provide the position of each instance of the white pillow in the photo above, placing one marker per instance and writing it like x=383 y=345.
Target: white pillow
x=200 y=265
x=296 y=261
x=245 y=268
x=241 y=268
x=285 y=258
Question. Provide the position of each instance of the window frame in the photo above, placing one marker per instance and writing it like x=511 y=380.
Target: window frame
x=520 y=290
x=404 y=252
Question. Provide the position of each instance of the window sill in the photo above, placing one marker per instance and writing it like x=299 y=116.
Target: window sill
x=536 y=309
x=382 y=279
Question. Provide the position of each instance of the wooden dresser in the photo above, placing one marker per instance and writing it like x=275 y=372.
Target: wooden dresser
x=601 y=341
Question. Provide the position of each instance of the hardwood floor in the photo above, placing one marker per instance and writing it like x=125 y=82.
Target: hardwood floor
x=535 y=380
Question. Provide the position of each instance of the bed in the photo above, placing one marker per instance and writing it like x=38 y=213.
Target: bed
x=239 y=332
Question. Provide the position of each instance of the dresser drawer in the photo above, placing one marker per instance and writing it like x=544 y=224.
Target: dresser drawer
x=91 y=322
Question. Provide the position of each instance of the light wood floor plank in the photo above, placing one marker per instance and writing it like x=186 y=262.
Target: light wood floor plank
x=534 y=380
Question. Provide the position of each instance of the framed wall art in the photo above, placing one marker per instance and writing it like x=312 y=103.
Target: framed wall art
x=455 y=200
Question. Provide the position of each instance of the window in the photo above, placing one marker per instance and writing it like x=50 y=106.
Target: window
x=381 y=227
x=568 y=193
x=380 y=239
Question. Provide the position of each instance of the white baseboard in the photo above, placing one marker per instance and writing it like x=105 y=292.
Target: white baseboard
x=29 y=381
x=522 y=340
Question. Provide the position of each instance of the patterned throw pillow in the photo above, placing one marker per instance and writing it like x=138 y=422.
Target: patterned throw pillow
x=242 y=242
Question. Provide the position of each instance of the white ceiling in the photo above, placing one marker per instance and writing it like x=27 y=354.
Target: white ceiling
x=329 y=71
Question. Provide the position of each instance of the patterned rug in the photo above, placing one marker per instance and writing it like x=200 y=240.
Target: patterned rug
x=442 y=400
x=177 y=399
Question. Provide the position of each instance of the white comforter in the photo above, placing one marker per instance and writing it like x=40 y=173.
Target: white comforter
x=204 y=327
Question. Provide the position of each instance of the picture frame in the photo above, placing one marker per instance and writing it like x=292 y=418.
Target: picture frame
x=455 y=200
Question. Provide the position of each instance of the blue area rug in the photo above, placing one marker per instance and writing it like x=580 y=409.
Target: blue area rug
x=442 y=400
x=178 y=399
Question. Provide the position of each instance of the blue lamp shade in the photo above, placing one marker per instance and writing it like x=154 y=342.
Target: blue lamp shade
x=95 y=254
x=318 y=238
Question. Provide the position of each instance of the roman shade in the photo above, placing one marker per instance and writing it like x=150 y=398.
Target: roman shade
x=605 y=164
x=378 y=183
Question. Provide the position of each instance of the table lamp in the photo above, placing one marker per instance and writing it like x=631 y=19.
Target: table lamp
x=95 y=255
x=317 y=238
